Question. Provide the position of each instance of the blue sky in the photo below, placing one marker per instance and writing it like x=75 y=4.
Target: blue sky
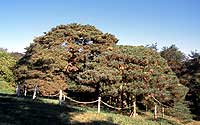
x=133 y=22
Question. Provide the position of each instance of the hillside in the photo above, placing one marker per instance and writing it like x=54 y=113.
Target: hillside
x=21 y=111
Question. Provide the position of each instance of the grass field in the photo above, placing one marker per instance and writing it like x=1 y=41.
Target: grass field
x=23 y=111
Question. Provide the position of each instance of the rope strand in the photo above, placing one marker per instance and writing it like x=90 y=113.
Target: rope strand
x=80 y=101
x=160 y=102
x=54 y=95
x=111 y=106
x=115 y=107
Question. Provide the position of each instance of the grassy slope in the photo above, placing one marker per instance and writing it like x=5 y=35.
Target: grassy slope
x=14 y=110
x=120 y=119
x=22 y=111
x=6 y=87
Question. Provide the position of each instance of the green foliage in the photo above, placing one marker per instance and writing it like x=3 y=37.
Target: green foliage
x=175 y=58
x=191 y=77
x=54 y=58
x=172 y=53
x=181 y=111
x=180 y=65
x=89 y=61
x=145 y=73
x=6 y=87
x=6 y=64
x=187 y=71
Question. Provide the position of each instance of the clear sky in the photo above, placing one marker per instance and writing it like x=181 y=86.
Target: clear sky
x=133 y=22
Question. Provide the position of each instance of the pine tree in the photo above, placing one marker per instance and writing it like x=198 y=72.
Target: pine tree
x=191 y=77
x=51 y=60
x=82 y=59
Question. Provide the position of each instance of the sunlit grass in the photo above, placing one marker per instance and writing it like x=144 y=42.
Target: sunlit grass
x=25 y=110
x=92 y=115
x=50 y=101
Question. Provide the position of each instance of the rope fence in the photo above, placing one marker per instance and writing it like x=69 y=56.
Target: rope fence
x=62 y=98
x=160 y=102
x=117 y=108
x=110 y=106
x=92 y=102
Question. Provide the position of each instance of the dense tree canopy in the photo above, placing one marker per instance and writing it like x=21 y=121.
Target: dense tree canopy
x=6 y=64
x=191 y=77
x=126 y=73
x=51 y=60
x=85 y=59
x=187 y=70
x=175 y=58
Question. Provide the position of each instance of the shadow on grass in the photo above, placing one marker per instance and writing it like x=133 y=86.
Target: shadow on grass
x=25 y=111
x=98 y=122
x=109 y=121
x=164 y=121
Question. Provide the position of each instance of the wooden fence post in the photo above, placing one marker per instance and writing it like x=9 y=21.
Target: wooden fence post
x=134 y=109
x=155 y=112
x=163 y=112
x=63 y=97
x=35 y=91
x=60 y=97
x=146 y=108
x=25 y=92
x=99 y=104
x=18 y=90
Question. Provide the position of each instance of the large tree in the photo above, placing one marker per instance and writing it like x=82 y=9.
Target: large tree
x=122 y=74
x=51 y=60
x=89 y=61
